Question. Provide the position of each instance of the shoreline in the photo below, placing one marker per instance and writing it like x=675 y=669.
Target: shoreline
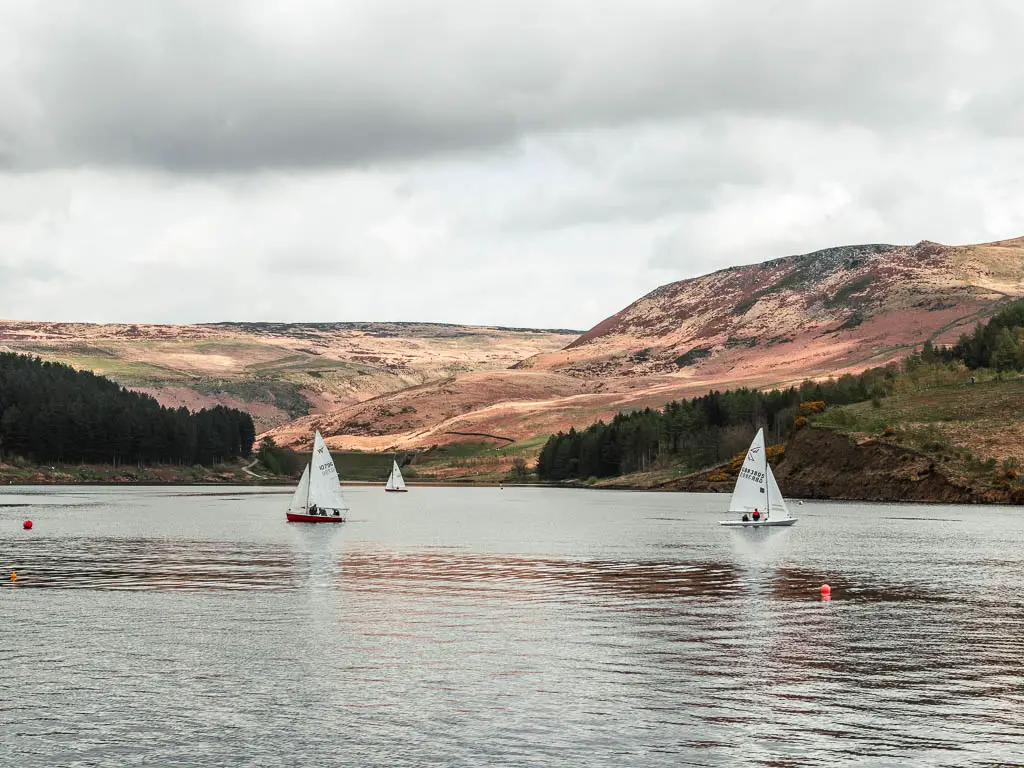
x=288 y=485
x=284 y=485
x=879 y=484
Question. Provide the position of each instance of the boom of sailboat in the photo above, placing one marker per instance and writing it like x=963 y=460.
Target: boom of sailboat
x=756 y=495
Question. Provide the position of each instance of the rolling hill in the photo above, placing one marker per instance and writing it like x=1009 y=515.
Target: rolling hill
x=277 y=372
x=378 y=386
x=812 y=315
x=831 y=310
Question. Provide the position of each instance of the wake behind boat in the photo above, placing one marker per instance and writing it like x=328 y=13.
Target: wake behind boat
x=756 y=495
x=396 y=483
x=318 y=498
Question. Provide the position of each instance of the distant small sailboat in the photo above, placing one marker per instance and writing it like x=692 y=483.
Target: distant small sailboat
x=756 y=490
x=396 y=483
x=318 y=497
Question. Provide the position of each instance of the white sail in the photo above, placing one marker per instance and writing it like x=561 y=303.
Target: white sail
x=324 y=486
x=301 y=495
x=395 y=480
x=778 y=508
x=756 y=489
x=752 y=491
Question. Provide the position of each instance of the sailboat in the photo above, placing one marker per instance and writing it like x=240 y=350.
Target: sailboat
x=756 y=489
x=318 y=497
x=396 y=483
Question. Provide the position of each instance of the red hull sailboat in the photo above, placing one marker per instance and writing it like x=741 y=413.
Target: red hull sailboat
x=318 y=497
x=294 y=517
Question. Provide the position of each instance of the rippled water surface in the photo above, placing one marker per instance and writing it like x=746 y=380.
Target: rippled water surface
x=474 y=627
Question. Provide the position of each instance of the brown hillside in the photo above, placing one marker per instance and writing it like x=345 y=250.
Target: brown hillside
x=275 y=371
x=823 y=313
x=506 y=404
x=800 y=315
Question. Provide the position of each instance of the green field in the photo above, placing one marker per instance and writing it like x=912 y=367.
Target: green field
x=360 y=466
x=125 y=372
x=475 y=462
x=282 y=393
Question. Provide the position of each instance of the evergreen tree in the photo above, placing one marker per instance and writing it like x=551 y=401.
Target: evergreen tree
x=697 y=432
x=52 y=413
x=1005 y=354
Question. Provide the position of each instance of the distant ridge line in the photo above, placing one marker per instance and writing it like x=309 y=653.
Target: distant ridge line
x=356 y=325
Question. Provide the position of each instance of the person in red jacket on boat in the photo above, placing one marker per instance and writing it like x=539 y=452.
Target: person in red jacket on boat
x=756 y=515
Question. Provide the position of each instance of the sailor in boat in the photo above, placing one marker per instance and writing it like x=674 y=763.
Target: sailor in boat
x=337 y=513
x=746 y=518
x=756 y=515
x=313 y=509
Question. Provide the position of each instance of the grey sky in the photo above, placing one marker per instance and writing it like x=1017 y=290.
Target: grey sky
x=530 y=163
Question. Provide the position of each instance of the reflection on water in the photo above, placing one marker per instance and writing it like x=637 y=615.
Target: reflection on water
x=139 y=564
x=169 y=627
x=534 y=578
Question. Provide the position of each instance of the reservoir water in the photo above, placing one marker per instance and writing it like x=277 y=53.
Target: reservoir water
x=523 y=627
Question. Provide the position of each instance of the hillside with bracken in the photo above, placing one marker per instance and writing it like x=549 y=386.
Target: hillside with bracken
x=822 y=312
x=813 y=315
x=277 y=372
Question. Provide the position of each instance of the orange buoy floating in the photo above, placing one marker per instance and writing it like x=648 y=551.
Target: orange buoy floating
x=14 y=575
x=27 y=525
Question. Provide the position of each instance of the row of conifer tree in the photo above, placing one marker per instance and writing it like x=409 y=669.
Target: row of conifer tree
x=697 y=432
x=50 y=412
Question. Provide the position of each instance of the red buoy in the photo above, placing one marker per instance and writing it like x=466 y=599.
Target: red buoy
x=826 y=590
x=27 y=525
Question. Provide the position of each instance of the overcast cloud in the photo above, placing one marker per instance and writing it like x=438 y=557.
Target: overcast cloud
x=535 y=163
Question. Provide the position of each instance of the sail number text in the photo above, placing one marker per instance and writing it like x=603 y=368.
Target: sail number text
x=750 y=474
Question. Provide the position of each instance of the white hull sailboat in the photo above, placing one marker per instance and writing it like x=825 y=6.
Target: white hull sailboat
x=396 y=483
x=756 y=490
x=318 y=497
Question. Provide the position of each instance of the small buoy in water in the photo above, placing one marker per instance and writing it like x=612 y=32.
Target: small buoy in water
x=27 y=525
x=14 y=575
x=826 y=591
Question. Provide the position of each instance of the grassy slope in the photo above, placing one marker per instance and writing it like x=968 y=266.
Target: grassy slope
x=973 y=430
x=126 y=372
x=476 y=462
x=355 y=466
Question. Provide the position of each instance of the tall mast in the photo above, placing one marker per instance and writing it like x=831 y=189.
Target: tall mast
x=767 y=485
x=309 y=485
